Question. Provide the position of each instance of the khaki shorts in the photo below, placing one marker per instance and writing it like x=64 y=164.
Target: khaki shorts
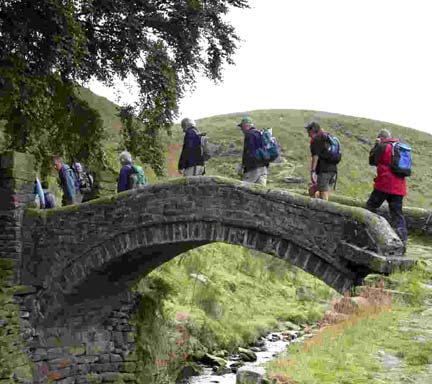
x=325 y=181
x=256 y=176
x=197 y=170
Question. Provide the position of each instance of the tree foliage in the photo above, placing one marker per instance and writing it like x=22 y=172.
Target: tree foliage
x=49 y=46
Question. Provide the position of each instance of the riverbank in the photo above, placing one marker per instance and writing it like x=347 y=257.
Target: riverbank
x=386 y=342
x=218 y=298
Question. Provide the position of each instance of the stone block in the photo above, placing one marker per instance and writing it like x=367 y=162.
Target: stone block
x=104 y=358
x=67 y=380
x=109 y=376
x=115 y=358
x=55 y=353
x=61 y=363
x=87 y=359
x=250 y=375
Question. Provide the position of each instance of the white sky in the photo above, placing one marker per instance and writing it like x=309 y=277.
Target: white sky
x=366 y=58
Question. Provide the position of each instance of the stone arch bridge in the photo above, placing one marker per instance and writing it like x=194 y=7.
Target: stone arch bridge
x=77 y=263
x=80 y=253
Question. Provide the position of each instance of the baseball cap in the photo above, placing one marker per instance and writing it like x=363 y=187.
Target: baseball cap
x=245 y=120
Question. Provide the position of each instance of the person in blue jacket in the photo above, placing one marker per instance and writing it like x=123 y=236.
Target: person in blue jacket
x=253 y=169
x=67 y=182
x=123 y=181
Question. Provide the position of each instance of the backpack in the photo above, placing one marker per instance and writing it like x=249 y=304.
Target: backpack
x=49 y=200
x=333 y=152
x=83 y=179
x=270 y=147
x=401 y=159
x=205 y=148
x=137 y=177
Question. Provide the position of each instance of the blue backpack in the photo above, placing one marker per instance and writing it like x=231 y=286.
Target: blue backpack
x=333 y=149
x=270 y=147
x=401 y=159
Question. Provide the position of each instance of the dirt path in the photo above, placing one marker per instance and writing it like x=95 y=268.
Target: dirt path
x=172 y=159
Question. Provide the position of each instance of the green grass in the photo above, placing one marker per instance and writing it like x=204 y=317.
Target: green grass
x=350 y=353
x=233 y=307
x=355 y=174
x=354 y=351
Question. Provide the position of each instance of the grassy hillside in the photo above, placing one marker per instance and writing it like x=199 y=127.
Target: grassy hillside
x=356 y=136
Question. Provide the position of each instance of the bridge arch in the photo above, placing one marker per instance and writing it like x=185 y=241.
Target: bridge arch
x=78 y=255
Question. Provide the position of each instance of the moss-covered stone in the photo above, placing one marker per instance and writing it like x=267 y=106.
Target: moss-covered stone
x=247 y=354
x=225 y=180
x=13 y=362
x=129 y=367
x=77 y=350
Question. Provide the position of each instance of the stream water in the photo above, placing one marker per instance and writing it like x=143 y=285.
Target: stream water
x=270 y=346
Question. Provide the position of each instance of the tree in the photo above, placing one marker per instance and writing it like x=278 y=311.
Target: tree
x=49 y=46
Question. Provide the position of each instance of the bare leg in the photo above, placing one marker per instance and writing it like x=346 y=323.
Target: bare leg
x=324 y=195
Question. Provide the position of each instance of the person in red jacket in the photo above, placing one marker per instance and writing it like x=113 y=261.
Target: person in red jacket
x=387 y=185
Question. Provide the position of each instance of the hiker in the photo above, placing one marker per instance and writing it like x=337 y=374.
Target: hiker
x=131 y=176
x=387 y=185
x=48 y=196
x=68 y=183
x=323 y=170
x=252 y=169
x=191 y=162
x=39 y=200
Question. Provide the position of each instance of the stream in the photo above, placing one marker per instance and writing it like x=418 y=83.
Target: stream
x=266 y=349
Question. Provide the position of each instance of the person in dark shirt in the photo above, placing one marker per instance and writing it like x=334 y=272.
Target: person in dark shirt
x=323 y=173
x=191 y=162
x=254 y=170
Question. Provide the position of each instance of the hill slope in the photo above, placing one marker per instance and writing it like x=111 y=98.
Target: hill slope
x=357 y=136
